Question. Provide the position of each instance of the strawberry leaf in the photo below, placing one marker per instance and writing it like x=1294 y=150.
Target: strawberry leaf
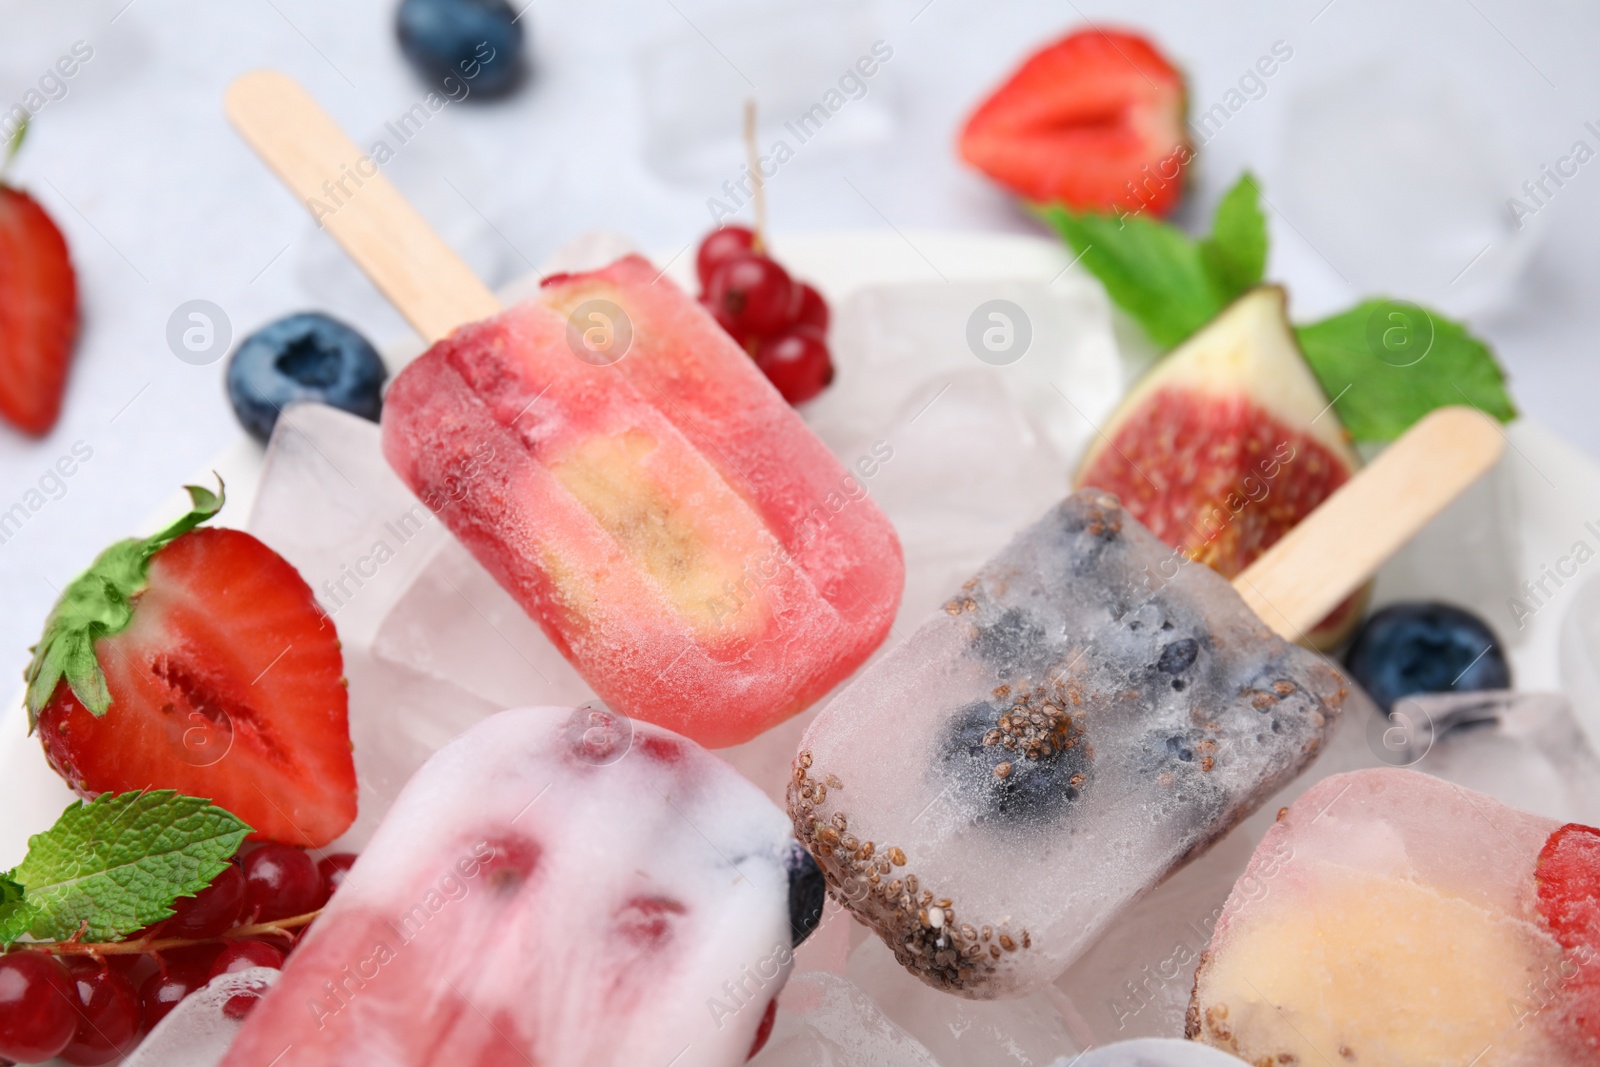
x=115 y=865
x=1390 y=362
x=1235 y=255
x=99 y=603
x=14 y=145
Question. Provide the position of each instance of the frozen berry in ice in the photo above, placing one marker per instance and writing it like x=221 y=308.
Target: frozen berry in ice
x=38 y=1014
x=797 y=361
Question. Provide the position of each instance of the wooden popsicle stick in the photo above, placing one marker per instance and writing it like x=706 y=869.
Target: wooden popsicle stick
x=342 y=187
x=1334 y=550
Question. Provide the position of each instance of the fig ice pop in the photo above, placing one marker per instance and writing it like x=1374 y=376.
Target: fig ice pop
x=555 y=886
x=1067 y=730
x=625 y=471
x=1394 y=918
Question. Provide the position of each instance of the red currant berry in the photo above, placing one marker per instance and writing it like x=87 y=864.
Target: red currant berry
x=38 y=1007
x=108 y=1015
x=210 y=911
x=754 y=293
x=797 y=362
x=813 y=309
x=243 y=955
x=719 y=245
x=165 y=989
x=333 y=869
x=280 y=881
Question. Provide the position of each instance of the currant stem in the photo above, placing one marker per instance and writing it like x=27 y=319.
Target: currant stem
x=758 y=243
x=74 y=947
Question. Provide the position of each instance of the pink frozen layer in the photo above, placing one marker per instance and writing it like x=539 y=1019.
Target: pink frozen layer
x=670 y=522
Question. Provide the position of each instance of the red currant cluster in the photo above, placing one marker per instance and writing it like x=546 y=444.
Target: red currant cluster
x=90 y=1004
x=781 y=322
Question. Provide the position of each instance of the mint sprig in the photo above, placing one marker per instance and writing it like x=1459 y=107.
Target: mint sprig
x=115 y=865
x=1427 y=362
x=99 y=603
x=1172 y=285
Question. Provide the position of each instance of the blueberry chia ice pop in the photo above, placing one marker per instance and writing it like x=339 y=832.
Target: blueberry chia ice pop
x=552 y=887
x=1067 y=730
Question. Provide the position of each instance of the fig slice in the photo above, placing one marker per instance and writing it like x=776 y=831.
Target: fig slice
x=1227 y=443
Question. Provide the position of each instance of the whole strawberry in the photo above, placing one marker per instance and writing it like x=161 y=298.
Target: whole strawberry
x=198 y=660
x=38 y=310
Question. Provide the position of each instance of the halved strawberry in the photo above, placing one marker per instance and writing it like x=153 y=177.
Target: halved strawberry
x=1094 y=121
x=1568 y=877
x=198 y=660
x=38 y=313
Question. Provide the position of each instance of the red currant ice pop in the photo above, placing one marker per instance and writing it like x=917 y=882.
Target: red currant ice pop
x=623 y=468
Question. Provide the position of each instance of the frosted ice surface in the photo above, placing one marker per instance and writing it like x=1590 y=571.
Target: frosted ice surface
x=1157 y=715
x=1134 y=980
x=197 y=1033
x=1380 y=898
x=330 y=505
x=1153 y=1052
x=824 y=1019
x=528 y=893
x=1019 y=1032
x=1523 y=749
x=1360 y=143
x=457 y=624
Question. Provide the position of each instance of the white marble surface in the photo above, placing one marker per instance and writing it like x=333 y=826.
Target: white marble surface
x=163 y=204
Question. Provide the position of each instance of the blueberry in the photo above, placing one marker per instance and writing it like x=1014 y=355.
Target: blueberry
x=1011 y=643
x=807 y=890
x=1177 y=656
x=1418 y=647
x=1024 y=788
x=303 y=357
x=464 y=46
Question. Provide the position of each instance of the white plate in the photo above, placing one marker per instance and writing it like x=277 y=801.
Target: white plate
x=1545 y=490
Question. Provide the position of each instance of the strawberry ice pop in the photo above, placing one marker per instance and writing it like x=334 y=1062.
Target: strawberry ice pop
x=1069 y=728
x=555 y=886
x=624 y=470
x=1393 y=918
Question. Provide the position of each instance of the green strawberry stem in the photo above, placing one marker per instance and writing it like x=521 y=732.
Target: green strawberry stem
x=13 y=147
x=138 y=946
x=99 y=603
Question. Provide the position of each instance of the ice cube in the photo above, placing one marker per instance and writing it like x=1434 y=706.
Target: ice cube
x=555 y=886
x=457 y=624
x=197 y=1032
x=1361 y=142
x=330 y=505
x=1523 y=749
x=1385 y=897
x=1020 y=1032
x=826 y=1019
x=1153 y=1052
x=1067 y=718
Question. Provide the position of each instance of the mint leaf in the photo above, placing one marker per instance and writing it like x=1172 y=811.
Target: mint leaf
x=117 y=864
x=1152 y=271
x=1390 y=362
x=1235 y=255
x=99 y=603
